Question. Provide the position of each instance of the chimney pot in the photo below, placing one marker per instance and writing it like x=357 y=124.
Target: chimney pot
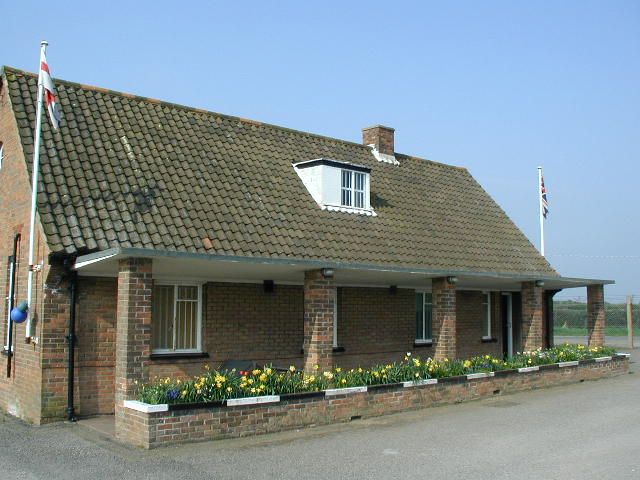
x=380 y=137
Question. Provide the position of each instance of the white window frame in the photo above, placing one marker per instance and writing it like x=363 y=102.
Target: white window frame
x=8 y=303
x=1 y=154
x=424 y=294
x=176 y=284
x=350 y=189
x=335 y=319
x=487 y=327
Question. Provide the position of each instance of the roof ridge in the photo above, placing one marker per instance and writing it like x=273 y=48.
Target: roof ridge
x=5 y=68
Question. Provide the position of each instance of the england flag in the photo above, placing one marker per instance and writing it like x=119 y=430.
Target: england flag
x=49 y=93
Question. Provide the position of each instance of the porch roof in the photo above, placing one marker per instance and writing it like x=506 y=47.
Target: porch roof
x=225 y=268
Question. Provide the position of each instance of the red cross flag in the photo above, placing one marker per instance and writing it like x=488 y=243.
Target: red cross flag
x=49 y=92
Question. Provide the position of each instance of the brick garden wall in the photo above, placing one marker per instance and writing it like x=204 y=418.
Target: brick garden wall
x=150 y=430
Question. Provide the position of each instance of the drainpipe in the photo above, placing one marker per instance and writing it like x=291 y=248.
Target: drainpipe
x=71 y=339
x=12 y=294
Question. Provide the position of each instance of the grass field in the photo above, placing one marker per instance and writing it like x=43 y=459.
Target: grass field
x=609 y=331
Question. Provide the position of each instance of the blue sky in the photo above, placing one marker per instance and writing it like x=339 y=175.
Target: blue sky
x=499 y=87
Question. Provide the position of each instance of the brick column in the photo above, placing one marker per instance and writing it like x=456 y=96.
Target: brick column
x=595 y=315
x=531 y=316
x=319 y=302
x=444 y=317
x=133 y=332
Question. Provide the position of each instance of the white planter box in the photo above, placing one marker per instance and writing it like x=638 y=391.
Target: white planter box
x=625 y=354
x=145 y=407
x=473 y=376
x=417 y=383
x=528 y=369
x=331 y=392
x=568 y=364
x=603 y=359
x=235 y=402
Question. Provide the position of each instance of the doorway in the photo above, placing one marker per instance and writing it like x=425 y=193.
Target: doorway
x=511 y=311
x=507 y=323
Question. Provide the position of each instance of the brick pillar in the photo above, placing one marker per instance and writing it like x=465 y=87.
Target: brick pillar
x=133 y=331
x=532 y=316
x=444 y=316
x=595 y=315
x=319 y=302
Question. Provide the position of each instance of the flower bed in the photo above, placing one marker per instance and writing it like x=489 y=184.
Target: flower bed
x=151 y=425
x=217 y=385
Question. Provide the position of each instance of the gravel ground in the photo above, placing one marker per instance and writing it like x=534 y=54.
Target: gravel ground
x=583 y=431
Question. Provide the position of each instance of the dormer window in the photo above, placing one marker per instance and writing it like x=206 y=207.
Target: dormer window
x=337 y=186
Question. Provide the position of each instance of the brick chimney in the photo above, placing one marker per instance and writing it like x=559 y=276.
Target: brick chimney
x=380 y=137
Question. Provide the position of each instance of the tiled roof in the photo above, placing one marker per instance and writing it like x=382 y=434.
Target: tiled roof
x=127 y=171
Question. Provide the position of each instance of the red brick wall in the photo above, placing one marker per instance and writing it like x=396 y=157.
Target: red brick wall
x=595 y=315
x=242 y=322
x=96 y=333
x=21 y=393
x=444 y=319
x=374 y=325
x=470 y=328
x=532 y=316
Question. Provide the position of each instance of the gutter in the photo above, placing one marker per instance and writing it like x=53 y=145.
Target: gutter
x=127 y=252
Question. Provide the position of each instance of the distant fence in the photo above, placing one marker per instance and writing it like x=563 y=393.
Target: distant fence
x=570 y=316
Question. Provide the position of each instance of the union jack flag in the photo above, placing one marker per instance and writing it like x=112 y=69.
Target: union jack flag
x=49 y=93
x=543 y=198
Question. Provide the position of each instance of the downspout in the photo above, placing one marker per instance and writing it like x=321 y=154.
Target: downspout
x=12 y=294
x=71 y=339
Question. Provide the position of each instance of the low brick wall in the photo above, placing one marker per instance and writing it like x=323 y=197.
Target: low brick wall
x=149 y=426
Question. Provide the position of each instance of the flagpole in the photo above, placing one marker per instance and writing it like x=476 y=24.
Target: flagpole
x=34 y=190
x=541 y=209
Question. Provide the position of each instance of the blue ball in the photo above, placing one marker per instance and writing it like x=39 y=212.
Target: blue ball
x=18 y=316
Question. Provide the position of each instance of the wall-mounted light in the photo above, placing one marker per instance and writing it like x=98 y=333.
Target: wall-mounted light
x=268 y=286
x=327 y=272
x=452 y=280
x=539 y=283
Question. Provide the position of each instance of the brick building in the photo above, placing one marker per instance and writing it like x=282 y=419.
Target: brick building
x=192 y=237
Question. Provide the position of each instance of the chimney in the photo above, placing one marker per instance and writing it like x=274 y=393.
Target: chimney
x=380 y=137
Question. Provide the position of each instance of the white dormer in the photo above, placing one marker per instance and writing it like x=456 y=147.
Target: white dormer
x=337 y=186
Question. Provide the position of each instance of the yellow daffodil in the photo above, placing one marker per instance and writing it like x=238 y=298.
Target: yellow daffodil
x=292 y=368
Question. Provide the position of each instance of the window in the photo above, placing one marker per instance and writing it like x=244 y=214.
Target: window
x=337 y=186
x=424 y=310
x=486 y=315
x=9 y=291
x=336 y=308
x=353 y=189
x=1 y=154
x=177 y=318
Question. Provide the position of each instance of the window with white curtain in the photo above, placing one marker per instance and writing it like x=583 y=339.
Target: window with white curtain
x=486 y=315
x=424 y=321
x=177 y=318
